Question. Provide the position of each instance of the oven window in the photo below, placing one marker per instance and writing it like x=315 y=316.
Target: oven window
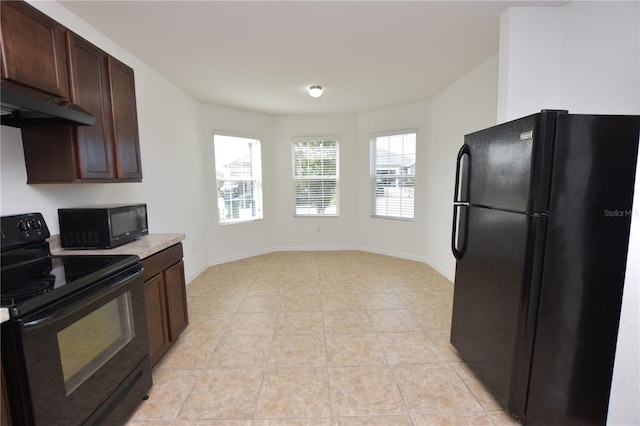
x=90 y=342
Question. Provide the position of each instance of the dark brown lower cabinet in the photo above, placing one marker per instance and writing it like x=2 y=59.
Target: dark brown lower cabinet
x=155 y=297
x=166 y=299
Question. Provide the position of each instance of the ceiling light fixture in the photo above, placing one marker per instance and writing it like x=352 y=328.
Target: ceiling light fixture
x=315 y=91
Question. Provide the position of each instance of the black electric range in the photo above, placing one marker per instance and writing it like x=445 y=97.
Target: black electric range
x=75 y=349
x=32 y=277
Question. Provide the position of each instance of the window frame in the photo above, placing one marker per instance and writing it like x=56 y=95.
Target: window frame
x=376 y=177
x=254 y=180
x=336 y=176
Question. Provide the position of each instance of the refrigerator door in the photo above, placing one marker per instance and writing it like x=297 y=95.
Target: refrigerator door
x=584 y=267
x=509 y=164
x=500 y=202
x=492 y=324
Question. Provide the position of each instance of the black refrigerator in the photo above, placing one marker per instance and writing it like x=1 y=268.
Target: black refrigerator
x=542 y=212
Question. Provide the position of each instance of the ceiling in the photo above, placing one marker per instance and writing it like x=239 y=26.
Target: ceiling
x=262 y=56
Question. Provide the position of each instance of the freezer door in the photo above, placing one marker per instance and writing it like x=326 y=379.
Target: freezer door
x=509 y=164
x=492 y=324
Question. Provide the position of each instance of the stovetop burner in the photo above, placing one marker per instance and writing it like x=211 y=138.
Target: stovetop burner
x=24 y=285
x=69 y=267
x=43 y=275
x=32 y=277
x=23 y=290
x=79 y=266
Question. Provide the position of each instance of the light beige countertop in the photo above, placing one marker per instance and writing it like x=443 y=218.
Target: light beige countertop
x=143 y=247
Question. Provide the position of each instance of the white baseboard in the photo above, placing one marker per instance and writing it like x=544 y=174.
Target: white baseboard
x=399 y=255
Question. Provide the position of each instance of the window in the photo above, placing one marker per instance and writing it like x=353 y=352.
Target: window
x=393 y=175
x=238 y=178
x=315 y=175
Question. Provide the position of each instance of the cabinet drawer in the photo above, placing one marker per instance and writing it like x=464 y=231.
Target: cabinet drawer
x=153 y=265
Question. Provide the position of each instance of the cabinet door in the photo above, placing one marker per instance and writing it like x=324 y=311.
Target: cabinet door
x=33 y=49
x=156 y=317
x=89 y=78
x=49 y=154
x=125 y=121
x=176 y=300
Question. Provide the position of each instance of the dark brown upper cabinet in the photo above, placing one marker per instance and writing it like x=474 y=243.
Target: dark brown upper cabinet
x=108 y=151
x=89 y=73
x=125 y=120
x=33 y=49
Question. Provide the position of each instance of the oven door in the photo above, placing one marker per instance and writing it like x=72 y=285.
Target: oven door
x=87 y=355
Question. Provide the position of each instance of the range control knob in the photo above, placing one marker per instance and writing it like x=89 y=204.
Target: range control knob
x=36 y=224
x=24 y=226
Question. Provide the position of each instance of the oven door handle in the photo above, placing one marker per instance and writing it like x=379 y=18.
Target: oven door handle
x=70 y=305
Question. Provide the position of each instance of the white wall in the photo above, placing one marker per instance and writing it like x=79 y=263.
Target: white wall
x=236 y=241
x=582 y=57
x=172 y=166
x=466 y=106
x=401 y=238
x=530 y=66
x=601 y=66
x=595 y=56
x=625 y=391
x=322 y=233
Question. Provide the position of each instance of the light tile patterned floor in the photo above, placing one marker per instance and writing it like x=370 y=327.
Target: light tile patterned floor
x=317 y=338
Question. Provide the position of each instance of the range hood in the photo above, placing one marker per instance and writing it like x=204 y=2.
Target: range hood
x=24 y=107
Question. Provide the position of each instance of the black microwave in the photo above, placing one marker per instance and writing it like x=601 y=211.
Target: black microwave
x=102 y=227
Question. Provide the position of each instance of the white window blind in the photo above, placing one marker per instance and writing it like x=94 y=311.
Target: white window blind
x=315 y=176
x=393 y=175
x=238 y=178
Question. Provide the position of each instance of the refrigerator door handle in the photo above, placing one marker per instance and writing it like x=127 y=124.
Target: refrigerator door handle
x=461 y=190
x=463 y=169
x=459 y=231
